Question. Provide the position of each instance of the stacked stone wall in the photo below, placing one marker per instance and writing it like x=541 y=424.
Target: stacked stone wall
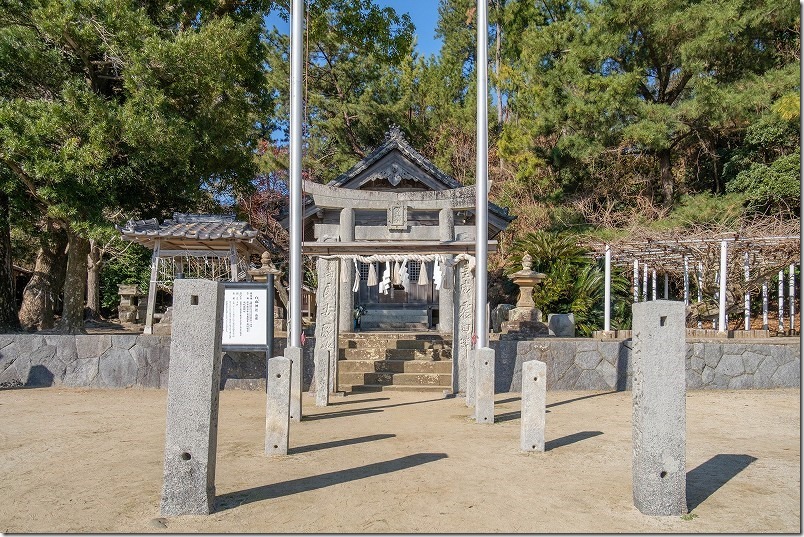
x=128 y=360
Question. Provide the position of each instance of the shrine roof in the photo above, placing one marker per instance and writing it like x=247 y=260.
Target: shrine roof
x=193 y=231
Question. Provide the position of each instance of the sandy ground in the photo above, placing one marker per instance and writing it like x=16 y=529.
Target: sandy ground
x=74 y=460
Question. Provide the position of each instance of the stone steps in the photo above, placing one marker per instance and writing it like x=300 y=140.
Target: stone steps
x=376 y=361
x=395 y=366
x=394 y=354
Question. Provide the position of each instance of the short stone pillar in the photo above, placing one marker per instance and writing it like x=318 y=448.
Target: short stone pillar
x=326 y=322
x=277 y=406
x=191 y=432
x=659 y=413
x=534 y=405
x=294 y=354
x=446 y=295
x=484 y=385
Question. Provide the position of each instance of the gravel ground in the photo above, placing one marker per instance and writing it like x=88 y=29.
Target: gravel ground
x=78 y=460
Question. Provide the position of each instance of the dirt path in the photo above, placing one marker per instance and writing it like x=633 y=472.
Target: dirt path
x=76 y=460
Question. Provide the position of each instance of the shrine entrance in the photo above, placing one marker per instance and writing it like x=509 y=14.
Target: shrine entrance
x=394 y=244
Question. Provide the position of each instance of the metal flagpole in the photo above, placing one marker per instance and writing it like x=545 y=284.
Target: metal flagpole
x=295 y=261
x=481 y=180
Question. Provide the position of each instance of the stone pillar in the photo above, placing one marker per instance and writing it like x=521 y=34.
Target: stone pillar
x=321 y=377
x=484 y=380
x=659 y=414
x=191 y=432
x=446 y=297
x=534 y=405
x=277 y=407
x=294 y=354
x=346 y=295
x=463 y=309
x=326 y=324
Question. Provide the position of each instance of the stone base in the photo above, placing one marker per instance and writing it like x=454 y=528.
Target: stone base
x=524 y=328
x=525 y=314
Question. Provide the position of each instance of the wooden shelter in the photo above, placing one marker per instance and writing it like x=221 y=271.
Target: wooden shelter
x=216 y=247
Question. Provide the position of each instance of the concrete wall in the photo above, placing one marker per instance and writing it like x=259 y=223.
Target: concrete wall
x=587 y=364
x=122 y=361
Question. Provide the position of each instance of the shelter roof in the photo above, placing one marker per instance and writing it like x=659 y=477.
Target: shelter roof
x=194 y=232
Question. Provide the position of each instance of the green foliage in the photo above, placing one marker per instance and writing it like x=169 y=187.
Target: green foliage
x=132 y=266
x=771 y=189
x=703 y=210
x=574 y=283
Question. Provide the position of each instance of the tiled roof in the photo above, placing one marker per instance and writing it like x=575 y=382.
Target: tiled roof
x=190 y=226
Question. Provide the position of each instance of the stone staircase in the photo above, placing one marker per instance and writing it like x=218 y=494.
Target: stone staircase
x=377 y=361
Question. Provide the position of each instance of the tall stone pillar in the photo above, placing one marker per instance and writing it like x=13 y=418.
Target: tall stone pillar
x=463 y=310
x=191 y=432
x=659 y=413
x=346 y=281
x=446 y=297
x=326 y=324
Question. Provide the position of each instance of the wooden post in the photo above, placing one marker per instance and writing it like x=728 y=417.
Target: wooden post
x=765 y=305
x=699 y=280
x=747 y=297
x=653 y=286
x=792 y=297
x=233 y=261
x=149 y=312
x=781 y=301
x=645 y=283
x=636 y=281
x=666 y=286
x=686 y=281
x=607 y=292
x=721 y=318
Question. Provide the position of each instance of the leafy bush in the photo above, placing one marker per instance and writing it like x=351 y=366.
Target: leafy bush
x=771 y=189
x=132 y=266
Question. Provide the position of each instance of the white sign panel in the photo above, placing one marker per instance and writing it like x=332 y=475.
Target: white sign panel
x=245 y=316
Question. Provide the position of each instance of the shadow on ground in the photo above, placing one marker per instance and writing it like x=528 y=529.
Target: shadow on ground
x=339 y=443
x=707 y=478
x=570 y=439
x=304 y=484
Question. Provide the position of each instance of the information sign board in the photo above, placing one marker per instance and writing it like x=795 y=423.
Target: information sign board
x=245 y=315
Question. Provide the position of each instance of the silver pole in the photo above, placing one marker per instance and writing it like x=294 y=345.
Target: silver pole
x=792 y=298
x=747 y=297
x=765 y=305
x=686 y=281
x=482 y=177
x=721 y=318
x=607 y=292
x=781 y=301
x=295 y=261
x=636 y=280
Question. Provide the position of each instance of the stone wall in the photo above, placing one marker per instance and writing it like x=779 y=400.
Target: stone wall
x=119 y=361
x=587 y=364
x=128 y=360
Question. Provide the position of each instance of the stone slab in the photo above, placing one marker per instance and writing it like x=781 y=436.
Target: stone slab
x=561 y=324
x=659 y=412
x=191 y=430
x=534 y=405
x=484 y=385
x=277 y=406
x=295 y=355
x=321 y=377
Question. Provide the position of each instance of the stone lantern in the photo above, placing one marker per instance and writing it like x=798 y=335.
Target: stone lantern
x=525 y=319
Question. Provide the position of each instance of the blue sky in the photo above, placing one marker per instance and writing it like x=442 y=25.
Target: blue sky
x=423 y=13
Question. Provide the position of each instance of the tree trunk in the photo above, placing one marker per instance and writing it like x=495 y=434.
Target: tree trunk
x=666 y=178
x=75 y=285
x=94 y=266
x=8 y=306
x=36 y=311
